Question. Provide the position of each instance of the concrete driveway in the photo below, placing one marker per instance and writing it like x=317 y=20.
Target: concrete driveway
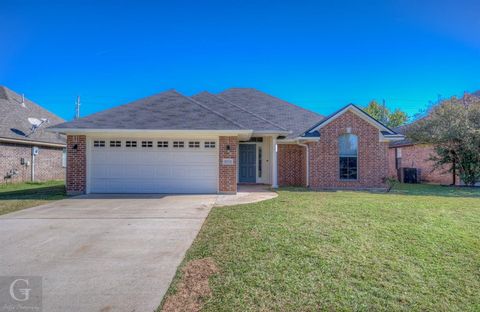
x=102 y=253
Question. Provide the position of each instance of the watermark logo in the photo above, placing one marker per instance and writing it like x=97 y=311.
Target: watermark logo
x=20 y=293
x=25 y=292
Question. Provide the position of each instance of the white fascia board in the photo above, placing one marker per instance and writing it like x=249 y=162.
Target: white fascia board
x=391 y=138
x=271 y=132
x=357 y=112
x=309 y=139
x=299 y=140
x=28 y=142
x=148 y=132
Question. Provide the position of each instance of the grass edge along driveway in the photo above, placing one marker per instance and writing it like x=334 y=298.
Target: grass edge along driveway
x=415 y=248
x=18 y=196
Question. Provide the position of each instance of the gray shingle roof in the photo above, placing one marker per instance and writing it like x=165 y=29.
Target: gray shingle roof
x=247 y=119
x=14 y=119
x=277 y=111
x=234 y=109
x=168 y=110
x=401 y=130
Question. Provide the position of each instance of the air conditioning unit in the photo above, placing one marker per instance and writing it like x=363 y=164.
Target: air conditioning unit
x=409 y=175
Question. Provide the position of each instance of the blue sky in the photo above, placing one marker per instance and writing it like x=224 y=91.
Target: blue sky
x=317 y=54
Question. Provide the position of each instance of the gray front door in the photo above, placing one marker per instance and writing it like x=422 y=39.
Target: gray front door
x=247 y=159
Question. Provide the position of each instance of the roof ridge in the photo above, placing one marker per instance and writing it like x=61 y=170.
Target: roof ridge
x=276 y=98
x=133 y=102
x=246 y=110
x=207 y=108
x=27 y=101
x=4 y=93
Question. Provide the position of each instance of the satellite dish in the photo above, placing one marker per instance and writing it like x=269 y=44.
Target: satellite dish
x=36 y=123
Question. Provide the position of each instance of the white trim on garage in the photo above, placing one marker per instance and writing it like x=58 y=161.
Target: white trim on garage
x=162 y=167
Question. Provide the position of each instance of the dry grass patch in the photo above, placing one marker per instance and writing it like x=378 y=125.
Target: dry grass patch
x=193 y=287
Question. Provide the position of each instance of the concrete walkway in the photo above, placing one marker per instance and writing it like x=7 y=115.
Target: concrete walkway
x=246 y=194
x=106 y=252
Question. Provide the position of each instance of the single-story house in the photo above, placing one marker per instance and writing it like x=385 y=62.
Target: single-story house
x=406 y=153
x=209 y=143
x=26 y=153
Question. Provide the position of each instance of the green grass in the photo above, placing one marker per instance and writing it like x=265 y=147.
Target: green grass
x=415 y=248
x=19 y=196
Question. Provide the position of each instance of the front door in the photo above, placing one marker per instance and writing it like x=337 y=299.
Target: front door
x=247 y=160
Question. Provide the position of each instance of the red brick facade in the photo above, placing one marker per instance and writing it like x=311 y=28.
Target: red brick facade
x=227 y=182
x=372 y=155
x=48 y=162
x=77 y=164
x=292 y=165
x=417 y=156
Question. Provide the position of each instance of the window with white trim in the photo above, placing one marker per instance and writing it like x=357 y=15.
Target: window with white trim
x=162 y=144
x=209 y=144
x=98 y=143
x=130 y=143
x=147 y=144
x=194 y=144
x=115 y=143
x=348 y=156
x=178 y=144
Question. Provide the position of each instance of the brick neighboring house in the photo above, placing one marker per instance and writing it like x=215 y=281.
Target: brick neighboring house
x=17 y=142
x=210 y=143
x=407 y=154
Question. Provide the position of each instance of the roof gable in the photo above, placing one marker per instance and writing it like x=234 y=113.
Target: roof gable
x=14 y=119
x=357 y=111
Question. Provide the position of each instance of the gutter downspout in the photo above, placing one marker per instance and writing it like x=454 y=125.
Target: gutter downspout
x=308 y=162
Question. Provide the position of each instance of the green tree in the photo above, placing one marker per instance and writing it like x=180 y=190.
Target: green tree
x=453 y=128
x=384 y=115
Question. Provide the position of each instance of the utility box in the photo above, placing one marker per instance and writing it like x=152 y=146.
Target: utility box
x=409 y=175
x=35 y=151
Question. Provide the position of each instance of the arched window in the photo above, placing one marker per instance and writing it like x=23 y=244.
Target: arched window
x=348 y=154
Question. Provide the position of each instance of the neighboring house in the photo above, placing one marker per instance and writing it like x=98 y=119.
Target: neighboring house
x=408 y=154
x=18 y=142
x=207 y=143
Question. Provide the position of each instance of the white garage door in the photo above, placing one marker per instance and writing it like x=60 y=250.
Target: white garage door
x=153 y=166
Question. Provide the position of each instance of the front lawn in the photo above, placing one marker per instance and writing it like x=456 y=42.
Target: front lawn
x=415 y=248
x=19 y=196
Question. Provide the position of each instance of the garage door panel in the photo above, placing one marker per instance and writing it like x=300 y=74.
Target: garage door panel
x=162 y=172
x=153 y=170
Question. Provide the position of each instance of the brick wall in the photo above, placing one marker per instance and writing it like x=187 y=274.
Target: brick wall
x=228 y=173
x=417 y=156
x=392 y=170
x=48 y=162
x=77 y=164
x=372 y=155
x=291 y=165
